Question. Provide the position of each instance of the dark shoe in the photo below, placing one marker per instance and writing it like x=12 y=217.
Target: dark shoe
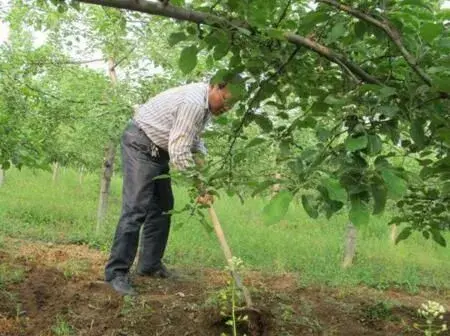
x=161 y=272
x=121 y=284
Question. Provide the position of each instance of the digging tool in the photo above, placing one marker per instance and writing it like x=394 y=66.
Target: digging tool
x=228 y=255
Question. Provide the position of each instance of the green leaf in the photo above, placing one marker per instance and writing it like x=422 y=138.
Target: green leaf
x=332 y=100
x=335 y=191
x=360 y=29
x=188 y=59
x=256 y=141
x=438 y=238
x=310 y=210
x=379 y=195
x=358 y=143
x=429 y=31
x=416 y=3
x=374 y=144
x=417 y=132
x=442 y=82
x=337 y=31
x=406 y=232
x=359 y=213
x=387 y=91
x=221 y=50
x=388 y=110
x=233 y=4
x=263 y=122
x=396 y=185
x=175 y=38
x=262 y=186
x=275 y=33
x=445 y=191
x=277 y=208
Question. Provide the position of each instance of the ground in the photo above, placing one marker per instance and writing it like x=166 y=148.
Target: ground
x=48 y=289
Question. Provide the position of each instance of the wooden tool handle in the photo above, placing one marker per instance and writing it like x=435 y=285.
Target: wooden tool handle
x=228 y=255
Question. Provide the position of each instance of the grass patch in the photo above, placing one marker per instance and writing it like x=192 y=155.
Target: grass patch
x=31 y=206
x=10 y=274
x=73 y=268
x=62 y=328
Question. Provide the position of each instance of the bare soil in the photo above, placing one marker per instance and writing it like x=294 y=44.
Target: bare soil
x=58 y=290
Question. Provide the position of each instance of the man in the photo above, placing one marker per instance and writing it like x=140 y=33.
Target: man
x=165 y=128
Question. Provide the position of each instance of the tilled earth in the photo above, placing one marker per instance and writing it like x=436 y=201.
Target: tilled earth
x=48 y=289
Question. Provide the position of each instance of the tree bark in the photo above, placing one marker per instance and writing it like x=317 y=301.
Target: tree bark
x=157 y=8
x=108 y=167
x=55 y=171
x=81 y=175
x=2 y=176
x=108 y=164
x=393 y=233
x=350 y=246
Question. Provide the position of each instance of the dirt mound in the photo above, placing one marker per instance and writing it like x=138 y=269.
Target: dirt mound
x=58 y=290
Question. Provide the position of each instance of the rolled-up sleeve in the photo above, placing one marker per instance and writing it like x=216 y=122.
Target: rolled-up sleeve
x=182 y=137
x=199 y=146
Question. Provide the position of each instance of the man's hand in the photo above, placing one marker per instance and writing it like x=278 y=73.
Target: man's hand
x=206 y=199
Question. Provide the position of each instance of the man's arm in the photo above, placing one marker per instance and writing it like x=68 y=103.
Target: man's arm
x=199 y=146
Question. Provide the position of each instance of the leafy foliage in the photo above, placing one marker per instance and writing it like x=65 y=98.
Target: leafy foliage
x=352 y=110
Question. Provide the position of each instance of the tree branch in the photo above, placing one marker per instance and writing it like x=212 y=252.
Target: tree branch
x=156 y=8
x=283 y=15
x=123 y=58
x=253 y=100
x=390 y=31
x=67 y=62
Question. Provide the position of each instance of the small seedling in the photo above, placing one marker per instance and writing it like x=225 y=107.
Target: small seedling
x=62 y=327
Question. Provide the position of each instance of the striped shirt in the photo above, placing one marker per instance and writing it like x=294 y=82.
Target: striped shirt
x=174 y=119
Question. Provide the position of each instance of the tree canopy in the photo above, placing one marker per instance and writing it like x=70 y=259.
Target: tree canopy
x=348 y=101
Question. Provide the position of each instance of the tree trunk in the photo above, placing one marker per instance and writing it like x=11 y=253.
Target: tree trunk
x=81 y=176
x=108 y=163
x=2 y=176
x=55 y=171
x=393 y=233
x=350 y=246
x=108 y=167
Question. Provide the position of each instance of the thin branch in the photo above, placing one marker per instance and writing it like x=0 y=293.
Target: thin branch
x=390 y=31
x=252 y=102
x=60 y=98
x=67 y=62
x=332 y=56
x=283 y=15
x=182 y=14
x=442 y=95
x=123 y=58
x=214 y=6
x=370 y=59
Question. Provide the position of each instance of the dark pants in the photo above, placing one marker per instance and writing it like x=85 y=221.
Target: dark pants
x=144 y=201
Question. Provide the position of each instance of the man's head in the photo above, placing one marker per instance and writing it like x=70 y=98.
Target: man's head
x=220 y=95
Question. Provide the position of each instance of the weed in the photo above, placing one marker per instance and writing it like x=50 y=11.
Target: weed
x=73 y=268
x=62 y=327
x=377 y=312
x=10 y=274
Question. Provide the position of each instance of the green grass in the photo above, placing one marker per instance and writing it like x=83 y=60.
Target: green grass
x=31 y=206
